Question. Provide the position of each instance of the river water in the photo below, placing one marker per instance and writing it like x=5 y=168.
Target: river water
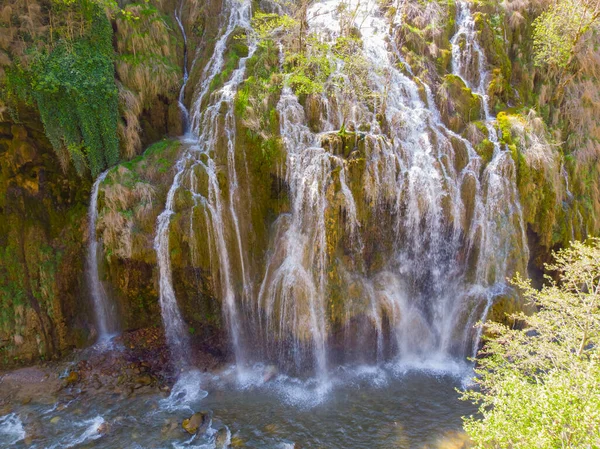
x=391 y=406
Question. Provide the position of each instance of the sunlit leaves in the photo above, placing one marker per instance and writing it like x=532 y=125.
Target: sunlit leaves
x=539 y=382
x=559 y=29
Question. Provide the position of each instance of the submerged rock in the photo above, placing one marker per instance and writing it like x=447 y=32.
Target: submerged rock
x=222 y=438
x=237 y=442
x=72 y=379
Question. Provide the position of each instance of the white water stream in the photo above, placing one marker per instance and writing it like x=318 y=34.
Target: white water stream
x=106 y=318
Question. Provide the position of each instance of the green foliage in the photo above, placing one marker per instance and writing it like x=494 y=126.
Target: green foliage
x=257 y=96
x=557 y=31
x=539 y=382
x=309 y=71
x=265 y=25
x=72 y=85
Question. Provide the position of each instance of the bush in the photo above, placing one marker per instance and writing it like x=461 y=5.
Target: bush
x=539 y=383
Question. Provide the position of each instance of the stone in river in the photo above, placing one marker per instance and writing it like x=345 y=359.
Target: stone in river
x=198 y=423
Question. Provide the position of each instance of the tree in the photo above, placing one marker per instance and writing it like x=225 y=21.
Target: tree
x=560 y=30
x=540 y=382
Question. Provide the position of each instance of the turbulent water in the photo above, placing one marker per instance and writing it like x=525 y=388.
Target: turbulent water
x=445 y=260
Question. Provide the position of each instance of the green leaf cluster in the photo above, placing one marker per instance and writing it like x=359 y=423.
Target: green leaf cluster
x=308 y=71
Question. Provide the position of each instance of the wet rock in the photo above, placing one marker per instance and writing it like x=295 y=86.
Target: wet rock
x=144 y=380
x=72 y=379
x=198 y=423
x=103 y=428
x=222 y=438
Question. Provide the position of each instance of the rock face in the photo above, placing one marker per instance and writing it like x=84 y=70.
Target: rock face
x=42 y=224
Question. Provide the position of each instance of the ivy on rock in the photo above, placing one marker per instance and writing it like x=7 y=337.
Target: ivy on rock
x=71 y=83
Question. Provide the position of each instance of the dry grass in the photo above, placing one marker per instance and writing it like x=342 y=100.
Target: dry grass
x=129 y=128
x=125 y=203
x=536 y=147
x=148 y=63
x=147 y=67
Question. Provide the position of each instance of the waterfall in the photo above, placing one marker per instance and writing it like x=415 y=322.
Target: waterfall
x=428 y=234
x=499 y=220
x=106 y=319
x=424 y=294
x=175 y=330
x=180 y=100
x=198 y=155
x=208 y=129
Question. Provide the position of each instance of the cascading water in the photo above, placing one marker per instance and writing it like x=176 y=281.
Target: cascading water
x=444 y=253
x=106 y=319
x=424 y=295
x=498 y=221
x=184 y=112
x=175 y=329
x=198 y=156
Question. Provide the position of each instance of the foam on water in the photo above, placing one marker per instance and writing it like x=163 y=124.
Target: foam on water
x=11 y=430
x=91 y=431
x=312 y=392
x=186 y=392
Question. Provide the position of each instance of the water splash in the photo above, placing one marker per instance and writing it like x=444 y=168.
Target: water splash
x=11 y=430
x=106 y=318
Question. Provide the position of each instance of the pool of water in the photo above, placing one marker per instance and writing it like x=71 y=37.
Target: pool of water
x=394 y=406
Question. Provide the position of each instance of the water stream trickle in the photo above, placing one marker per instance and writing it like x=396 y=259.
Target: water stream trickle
x=184 y=112
x=199 y=144
x=106 y=318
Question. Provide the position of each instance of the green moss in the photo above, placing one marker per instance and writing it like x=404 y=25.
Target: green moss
x=459 y=105
x=485 y=150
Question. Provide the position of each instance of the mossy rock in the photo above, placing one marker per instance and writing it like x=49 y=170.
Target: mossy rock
x=461 y=154
x=485 y=150
x=468 y=190
x=458 y=104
